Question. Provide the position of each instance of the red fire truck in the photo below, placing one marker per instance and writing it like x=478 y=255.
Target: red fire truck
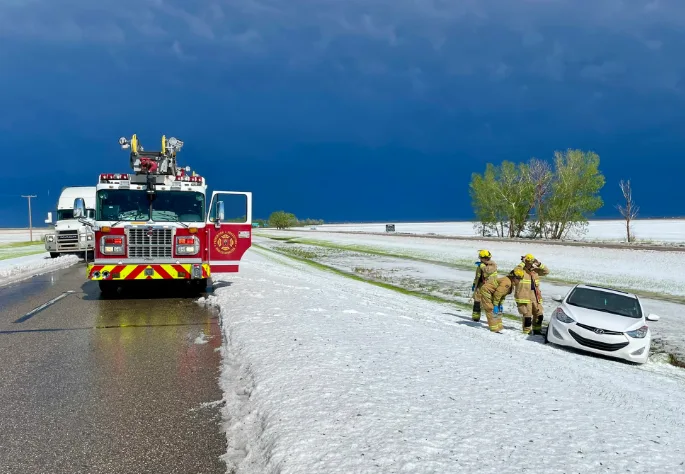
x=154 y=224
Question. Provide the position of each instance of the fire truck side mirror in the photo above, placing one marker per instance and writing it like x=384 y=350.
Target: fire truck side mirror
x=219 y=211
x=49 y=218
x=79 y=208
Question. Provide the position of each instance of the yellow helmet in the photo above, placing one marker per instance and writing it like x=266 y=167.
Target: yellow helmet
x=529 y=258
x=484 y=254
x=518 y=272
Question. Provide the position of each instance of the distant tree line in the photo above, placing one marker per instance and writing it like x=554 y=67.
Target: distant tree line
x=285 y=220
x=538 y=199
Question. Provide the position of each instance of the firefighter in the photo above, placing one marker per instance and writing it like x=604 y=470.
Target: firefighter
x=493 y=293
x=528 y=296
x=486 y=269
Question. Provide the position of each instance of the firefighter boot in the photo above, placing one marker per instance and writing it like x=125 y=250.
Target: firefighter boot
x=537 y=326
x=527 y=323
x=476 y=311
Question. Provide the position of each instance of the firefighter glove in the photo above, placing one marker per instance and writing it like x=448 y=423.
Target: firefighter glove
x=496 y=310
x=478 y=264
x=473 y=287
x=501 y=309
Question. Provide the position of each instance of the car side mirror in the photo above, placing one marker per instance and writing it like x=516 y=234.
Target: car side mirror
x=558 y=298
x=219 y=211
x=79 y=208
x=653 y=317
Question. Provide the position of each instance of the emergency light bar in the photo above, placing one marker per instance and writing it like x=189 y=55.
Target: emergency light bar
x=192 y=179
x=104 y=177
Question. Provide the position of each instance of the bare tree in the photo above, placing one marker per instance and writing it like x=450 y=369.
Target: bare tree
x=630 y=210
x=541 y=175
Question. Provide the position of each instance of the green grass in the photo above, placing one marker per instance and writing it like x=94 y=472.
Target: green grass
x=13 y=245
x=20 y=254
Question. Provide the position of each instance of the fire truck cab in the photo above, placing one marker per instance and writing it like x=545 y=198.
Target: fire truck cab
x=157 y=224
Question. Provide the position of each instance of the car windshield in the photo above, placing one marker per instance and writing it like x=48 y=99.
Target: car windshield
x=64 y=214
x=605 y=301
x=133 y=205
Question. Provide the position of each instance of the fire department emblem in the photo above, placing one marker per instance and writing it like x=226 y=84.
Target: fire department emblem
x=225 y=242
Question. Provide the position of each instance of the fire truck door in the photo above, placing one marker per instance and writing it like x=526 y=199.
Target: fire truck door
x=229 y=229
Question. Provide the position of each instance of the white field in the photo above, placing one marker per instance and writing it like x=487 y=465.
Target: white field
x=326 y=374
x=16 y=269
x=22 y=235
x=646 y=230
x=660 y=272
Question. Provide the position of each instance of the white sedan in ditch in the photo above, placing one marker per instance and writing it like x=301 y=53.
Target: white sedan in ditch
x=603 y=321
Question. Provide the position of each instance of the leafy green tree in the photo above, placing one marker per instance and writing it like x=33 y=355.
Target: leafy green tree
x=489 y=211
x=282 y=220
x=574 y=193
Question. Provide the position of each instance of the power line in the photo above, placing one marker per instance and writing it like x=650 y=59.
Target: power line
x=30 y=221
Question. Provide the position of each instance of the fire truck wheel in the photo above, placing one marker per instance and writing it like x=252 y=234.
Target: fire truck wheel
x=202 y=285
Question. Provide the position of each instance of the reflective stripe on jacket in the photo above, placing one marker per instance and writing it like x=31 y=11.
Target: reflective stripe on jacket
x=530 y=284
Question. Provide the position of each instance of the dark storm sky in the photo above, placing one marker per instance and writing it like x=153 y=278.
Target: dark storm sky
x=343 y=110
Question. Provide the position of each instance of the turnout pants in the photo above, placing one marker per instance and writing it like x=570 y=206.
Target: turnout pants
x=531 y=317
x=494 y=321
x=476 y=304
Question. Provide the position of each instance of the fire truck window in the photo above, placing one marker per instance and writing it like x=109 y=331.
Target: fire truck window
x=235 y=208
x=182 y=206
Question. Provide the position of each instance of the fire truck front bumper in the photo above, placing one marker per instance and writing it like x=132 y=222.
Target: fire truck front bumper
x=161 y=271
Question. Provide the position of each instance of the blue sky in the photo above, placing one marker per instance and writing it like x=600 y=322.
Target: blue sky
x=342 y=110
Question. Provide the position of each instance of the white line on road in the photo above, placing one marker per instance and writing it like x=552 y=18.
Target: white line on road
x=43 y=306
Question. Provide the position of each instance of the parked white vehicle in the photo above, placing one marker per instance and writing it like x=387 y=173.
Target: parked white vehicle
x=603 y=321
x=70 y=235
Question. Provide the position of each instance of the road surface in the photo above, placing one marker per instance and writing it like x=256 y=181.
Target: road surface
x=99 y=386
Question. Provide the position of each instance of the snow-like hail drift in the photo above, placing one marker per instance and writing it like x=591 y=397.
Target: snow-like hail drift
x=327 y=374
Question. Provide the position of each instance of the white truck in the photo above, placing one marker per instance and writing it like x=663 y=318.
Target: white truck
x=70 y=235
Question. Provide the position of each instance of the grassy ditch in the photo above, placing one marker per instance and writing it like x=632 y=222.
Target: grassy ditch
x=385 y=278
x=366 y=275
x=463 y=264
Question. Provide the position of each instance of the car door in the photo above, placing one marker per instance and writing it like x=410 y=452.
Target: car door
x=229 y=229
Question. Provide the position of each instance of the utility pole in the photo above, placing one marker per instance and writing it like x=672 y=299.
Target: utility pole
x=30 y=222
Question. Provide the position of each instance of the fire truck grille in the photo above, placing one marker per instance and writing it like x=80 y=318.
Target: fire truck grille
x=144 y=243
x=67 y=236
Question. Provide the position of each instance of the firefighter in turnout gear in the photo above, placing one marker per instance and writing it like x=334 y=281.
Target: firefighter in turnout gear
x=486 y=270
x=528 y=296
x=493 y=293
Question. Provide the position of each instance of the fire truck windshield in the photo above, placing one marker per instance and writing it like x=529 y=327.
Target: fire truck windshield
x=133 y=205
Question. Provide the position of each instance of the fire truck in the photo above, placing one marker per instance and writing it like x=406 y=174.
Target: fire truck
x=155 y=224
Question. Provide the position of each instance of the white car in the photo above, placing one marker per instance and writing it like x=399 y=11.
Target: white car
x=603 y=321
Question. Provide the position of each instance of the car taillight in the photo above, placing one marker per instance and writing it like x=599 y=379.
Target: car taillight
x=113 y=245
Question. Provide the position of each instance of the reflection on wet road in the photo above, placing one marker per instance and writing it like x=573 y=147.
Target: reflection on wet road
x=91 y=385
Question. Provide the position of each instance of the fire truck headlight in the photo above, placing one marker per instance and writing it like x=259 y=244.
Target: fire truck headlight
x=51 y=238
x=90 y=237
x=113 y=245
x=187 y=245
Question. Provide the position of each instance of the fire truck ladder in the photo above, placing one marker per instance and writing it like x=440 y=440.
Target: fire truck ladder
x=153 y=162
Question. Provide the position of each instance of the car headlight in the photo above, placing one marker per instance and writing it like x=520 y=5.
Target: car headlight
x=638 y=333
x=563 y=317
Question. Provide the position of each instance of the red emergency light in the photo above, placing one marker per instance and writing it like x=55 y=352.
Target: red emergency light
x=186 y=241
x=191 y=179
x=114 y=240
x=113 y=177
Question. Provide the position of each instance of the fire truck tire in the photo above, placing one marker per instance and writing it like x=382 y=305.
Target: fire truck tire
x=202 y=285
x=54 y=254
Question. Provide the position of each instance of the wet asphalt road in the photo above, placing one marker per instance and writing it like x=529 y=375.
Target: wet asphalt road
x=105 y=386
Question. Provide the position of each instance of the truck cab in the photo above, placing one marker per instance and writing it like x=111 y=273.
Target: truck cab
x=71 y=236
